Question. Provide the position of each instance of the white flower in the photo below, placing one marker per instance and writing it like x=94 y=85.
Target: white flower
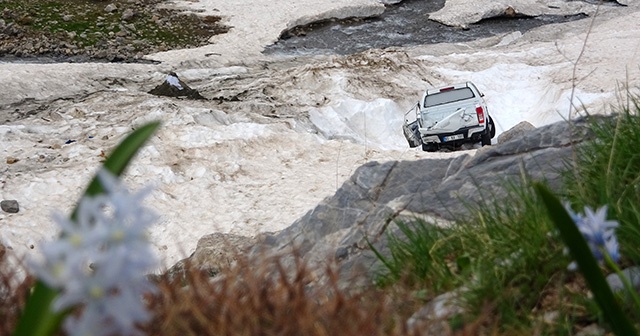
x=100 y=261
x=595 y=226
x=598 y=232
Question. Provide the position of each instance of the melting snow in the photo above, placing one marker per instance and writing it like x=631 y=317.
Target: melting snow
x=244 y=171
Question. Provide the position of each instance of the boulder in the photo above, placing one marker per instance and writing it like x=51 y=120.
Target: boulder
x=433 y=318
x=516 y=131
x=632 y=274
x=128 y=14
x=110 y=8
x=10 y=206
x=174 y=87
x=213 y=253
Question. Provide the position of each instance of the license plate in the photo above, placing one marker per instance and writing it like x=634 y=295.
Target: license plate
x=454 y=137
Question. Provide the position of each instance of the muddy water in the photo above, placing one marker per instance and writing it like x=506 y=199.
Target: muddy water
x=404 y=24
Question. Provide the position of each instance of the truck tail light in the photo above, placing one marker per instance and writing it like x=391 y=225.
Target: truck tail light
x=447 y=89
x=480 y=113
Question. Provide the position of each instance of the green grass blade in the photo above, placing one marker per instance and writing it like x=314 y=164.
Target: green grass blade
x=123 y=154
x=587 y=264
x=37 y=318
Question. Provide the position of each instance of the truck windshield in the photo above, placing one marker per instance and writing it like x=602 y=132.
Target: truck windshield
x=448 y=96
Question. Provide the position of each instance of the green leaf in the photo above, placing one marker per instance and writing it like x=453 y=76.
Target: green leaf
x=37 y=318
x=587 y=264
x=122 y=155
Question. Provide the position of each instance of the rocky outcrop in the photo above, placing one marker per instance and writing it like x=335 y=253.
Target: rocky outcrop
x=339 y=229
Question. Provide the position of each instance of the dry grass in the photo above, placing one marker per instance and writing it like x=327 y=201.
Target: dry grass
x=13 y=295
x=263 y=298
x=266 y=299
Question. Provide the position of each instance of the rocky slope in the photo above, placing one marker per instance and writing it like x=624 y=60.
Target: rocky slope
x=338 y=230
x=99 y=30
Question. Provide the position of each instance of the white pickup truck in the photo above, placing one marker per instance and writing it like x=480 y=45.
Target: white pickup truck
x=448 y=117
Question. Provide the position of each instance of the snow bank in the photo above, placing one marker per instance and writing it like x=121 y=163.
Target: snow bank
x=462 y=13
x=373 y=124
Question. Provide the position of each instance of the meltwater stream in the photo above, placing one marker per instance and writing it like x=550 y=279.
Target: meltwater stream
x=404 y=24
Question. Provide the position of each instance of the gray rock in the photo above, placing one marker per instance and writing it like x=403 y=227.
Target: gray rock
x=174 y=87
x=128 y=14
x=110 y=8
x=591 y=330
x=516 y=131
x=3 y=253
x=551 y=317
x=632 y=274
x=432 y=318
x=217 y=250
x=213 y=253
x=10 y=206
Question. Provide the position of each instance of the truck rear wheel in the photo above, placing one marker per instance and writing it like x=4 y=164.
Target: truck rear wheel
x=493 y=128
x=486 y=138
x=489 y=133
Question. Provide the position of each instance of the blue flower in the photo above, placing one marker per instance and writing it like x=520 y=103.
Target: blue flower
x=100 y=261
x=598 y=232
